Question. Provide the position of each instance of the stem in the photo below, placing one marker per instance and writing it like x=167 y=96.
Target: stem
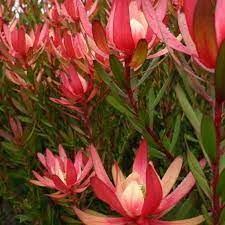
x=87 y=122
x=129 y=89
x=160 y=144
x=215 y=164
x=133 y=102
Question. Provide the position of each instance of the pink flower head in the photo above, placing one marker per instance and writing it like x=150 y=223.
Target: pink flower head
x=62 y=174
x=127 y=24
x=74 y=89
x=202 y=25
x=73 y=8
x=142 y=197
x=20 y=43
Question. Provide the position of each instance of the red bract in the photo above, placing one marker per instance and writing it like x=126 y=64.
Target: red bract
x=62 y=174
x=75 y=47
x=17 y=132
x=127 y=25
x=141 y=198
x=53 y=14
x=72 y=8
x=1 y=19
x=202 y=25
x=19 y=43
x=75 y=89
x=70 y=46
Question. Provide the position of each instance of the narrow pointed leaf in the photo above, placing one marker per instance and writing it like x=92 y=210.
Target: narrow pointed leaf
x=107 y=79
x=208 y=135
x=119 y=106
x=198 y=174
x=221 y=185
x=187 y=108
x=176 y=133
x=117 y=69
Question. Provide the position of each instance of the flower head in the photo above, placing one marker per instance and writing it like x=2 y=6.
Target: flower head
x=19 y=43
x=74 y=89
x=127 y=25
x=62 y=174
x=202 y=24
x=142 y=197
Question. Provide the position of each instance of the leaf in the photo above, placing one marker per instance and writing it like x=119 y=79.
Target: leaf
x=152 y=65
x=140 y=54
x=117 y=69
x=107 y=79
x=206 y=215
x=208 y=136
x=222 y=162
x=175 y=133
x=220 y=74
x=161 y=93
x=25 y=119
x=188 y=110
x=198 y=174
x=222 y=217
x=23 y=218
x=151 y=98
x=187 y=206
x=9 y=146
x=119 y=106
x=221 y=184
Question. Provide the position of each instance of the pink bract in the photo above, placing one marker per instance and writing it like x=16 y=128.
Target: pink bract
x=61 y=173
x=75 y=89
x=142 y=198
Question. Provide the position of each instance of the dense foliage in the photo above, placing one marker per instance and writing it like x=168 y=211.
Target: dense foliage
x=91 y=88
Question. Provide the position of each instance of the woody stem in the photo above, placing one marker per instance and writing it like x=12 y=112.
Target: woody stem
x=133 y=102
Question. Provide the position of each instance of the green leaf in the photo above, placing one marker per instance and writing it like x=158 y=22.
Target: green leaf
x=221 y=185
x=107 y=79
x=222 y=162
x=9 y=146
x=220 y=74
x=208 y=135
x=206 y=215
x=198 y=174
x=25 y=119
x=117 y=104
x=151 y=98
x=186 y=208
x=159 y=96
x=101 y=73
x=23 y=218
x=222 y=217
x=187 y=108
x=117 y=69
x=175 y=133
